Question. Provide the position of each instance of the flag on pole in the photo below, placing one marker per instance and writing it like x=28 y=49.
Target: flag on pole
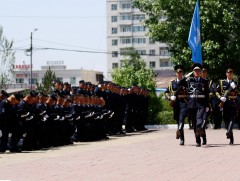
x=194 y=38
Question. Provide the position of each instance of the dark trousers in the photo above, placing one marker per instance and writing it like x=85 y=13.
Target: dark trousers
x=197 y=116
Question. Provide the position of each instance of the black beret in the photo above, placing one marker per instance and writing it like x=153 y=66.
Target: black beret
x=179 y=68
x=229 y=67
x=66 y=83
x=81 y=81
x=4 y=93
x=18 y=96
x=54 y=97
x=58 y=82
x=33 y=93
x=205 y=67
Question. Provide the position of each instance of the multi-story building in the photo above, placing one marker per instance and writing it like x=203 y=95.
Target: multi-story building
x=22 y=75
x=125 y=29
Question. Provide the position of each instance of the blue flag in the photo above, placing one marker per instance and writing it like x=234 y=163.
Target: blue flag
x=194 y=39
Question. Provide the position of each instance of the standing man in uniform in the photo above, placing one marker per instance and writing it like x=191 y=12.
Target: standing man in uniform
x=198 y=91
x=229 y=102
x=176 y=93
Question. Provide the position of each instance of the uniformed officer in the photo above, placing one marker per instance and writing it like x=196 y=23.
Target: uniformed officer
x=208 y=111
x=176 y=93
x=3 y=95
x=198 y=92
x=228 y=101
x=7 y=121
x=26 y=111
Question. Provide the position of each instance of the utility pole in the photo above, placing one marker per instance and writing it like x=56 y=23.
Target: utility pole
x=31 y=66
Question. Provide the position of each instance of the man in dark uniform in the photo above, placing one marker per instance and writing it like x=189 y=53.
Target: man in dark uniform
x=209 y=109
x=176 y=93
x=215 y=96
x=26 y=110
x=3 y=95
x=7 y=121
x=229 y=90
x=198 y=91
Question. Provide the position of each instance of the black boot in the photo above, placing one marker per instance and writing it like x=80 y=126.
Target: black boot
x=182 y=138
x=204 y=137
x=204 y=140
x=178 y=134
x=231 y=140
x=198 y=141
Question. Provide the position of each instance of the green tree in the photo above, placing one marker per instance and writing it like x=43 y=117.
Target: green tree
x=47 y=82
x=134 y=71
x=220 y=35
x=7 y=60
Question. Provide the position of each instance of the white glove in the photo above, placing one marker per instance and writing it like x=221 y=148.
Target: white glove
x=233 y=85
x=189 y=74
x=25 y=115
x=173 y=98
x=223 y=99
x=207 y=109
x=57 y=118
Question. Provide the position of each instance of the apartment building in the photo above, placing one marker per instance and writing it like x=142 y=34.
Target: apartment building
x=125 y=29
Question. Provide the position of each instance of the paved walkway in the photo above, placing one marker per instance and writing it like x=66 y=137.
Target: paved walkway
x=151 y=155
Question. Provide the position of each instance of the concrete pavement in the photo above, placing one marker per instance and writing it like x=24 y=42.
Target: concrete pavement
x=148 y=155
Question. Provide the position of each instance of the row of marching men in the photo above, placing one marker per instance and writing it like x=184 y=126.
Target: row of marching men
x=40 y=121
x=196 y=97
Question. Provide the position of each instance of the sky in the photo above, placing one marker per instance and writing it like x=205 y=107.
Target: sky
x=62 y=24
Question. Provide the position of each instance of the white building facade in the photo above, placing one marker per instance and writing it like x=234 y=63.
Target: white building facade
x=22 y=74
x=125 y=29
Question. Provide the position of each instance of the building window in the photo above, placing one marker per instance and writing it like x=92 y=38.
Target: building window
x=59 y=79
x=125 y=40
x=125 y=16
x=99 y=77
x=138 y=17
x=114 y=30
x=139 y=40
x=114 y=42
x=126 y=5
x=138 y=29
x=164 y=63
x=152 y=52
x=151 y=42
x=34 y=81
x=114 y=54
x=114 y=65
x=114 y=18
x=152 y=64
x=72 y=80
x=19 y=81
x=141 y=52
x=114 y=7
x=125 y=29
x=164 y=51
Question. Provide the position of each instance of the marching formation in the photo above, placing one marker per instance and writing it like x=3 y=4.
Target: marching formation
x=195 y=97
x=70 y=114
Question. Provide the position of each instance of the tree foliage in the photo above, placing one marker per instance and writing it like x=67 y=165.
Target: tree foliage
x=220 y=35
x=7 y=59
x=134 y=71
x=47 y=82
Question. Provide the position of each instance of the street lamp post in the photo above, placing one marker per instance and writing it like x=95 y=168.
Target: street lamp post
x=31 y=66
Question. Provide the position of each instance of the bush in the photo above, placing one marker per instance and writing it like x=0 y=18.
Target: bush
x=165 y=117
x=155 y=106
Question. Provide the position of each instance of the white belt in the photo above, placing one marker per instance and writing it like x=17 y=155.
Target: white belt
x=197 y=96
